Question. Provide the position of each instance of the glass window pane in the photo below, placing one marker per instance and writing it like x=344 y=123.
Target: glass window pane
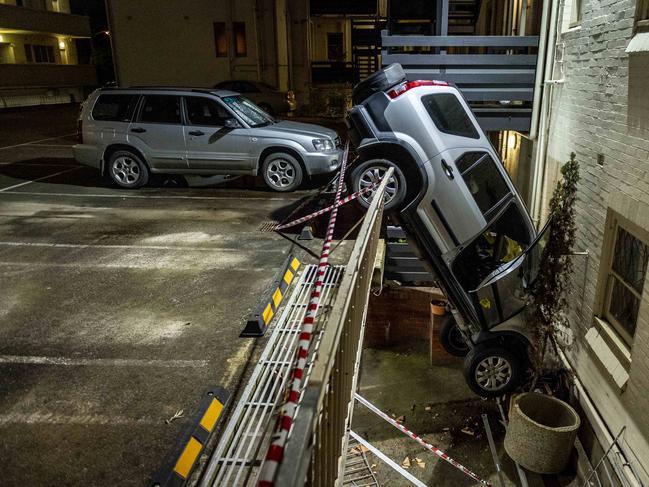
x=161 y=109
x=630 y=259
x=220 y=39
x=624 y=306
x=239 y=33
x=449 y=115
x=468 y=159
x=114 y=107
x=203 y=111
x=486 y=184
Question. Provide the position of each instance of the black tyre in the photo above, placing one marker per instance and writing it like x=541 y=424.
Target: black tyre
x=491 y=371
x=282 y=172
x=127 y=169
x=369 y=173
x=451 y=337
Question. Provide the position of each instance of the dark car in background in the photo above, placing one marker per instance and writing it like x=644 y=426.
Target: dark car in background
x=269 y=98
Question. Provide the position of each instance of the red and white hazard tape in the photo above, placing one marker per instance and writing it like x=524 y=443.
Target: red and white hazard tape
x=340 y=203
x=286 y=414
x=419 y=440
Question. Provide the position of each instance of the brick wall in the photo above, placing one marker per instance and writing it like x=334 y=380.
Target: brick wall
x=603 y=108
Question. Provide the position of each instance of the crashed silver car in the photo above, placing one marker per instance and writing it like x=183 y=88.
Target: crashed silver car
x=130 y=133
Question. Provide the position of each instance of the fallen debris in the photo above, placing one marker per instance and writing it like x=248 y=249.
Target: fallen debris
x=468 y=431
x=420 y=463
x=406 y=462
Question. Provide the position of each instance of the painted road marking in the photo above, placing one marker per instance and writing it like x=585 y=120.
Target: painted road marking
x=38 y=179
x=136 y=247
x=39 y=417
x=37 y=141
x=137 y=196
x=101 y=362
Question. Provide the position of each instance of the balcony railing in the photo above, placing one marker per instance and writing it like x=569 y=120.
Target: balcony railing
x=33 y=20
x=495 y=73
x=47 y=75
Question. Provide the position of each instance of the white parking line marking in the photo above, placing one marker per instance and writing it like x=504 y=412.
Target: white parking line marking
x=102 y=362
x=38 y=179
x=37 y=141
x=117 y=246
x=52 y=418
x=38 y=164
x=160 y=197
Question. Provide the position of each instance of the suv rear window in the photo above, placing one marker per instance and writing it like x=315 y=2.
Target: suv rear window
x=486 y=183
x=114 y=108
x=449 y=115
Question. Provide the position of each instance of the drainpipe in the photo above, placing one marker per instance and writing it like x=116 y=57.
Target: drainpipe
x=542 y=144
x=538 y=81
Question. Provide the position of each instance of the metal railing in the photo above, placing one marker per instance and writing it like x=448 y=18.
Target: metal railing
x=315 y=452
x=495 y=73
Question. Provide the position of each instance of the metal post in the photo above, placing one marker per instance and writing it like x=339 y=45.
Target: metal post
x=492 y=447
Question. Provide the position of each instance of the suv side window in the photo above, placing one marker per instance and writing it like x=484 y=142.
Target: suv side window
x=449 y=115
x=207 y=112
x=484 y=180
x=161 y=109
x=115 y=108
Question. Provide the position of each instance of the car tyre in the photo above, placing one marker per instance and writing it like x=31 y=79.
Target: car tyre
x=370 y=172
x=282 y=172
x=451 y=337
x=491 y=371
x=127 y=169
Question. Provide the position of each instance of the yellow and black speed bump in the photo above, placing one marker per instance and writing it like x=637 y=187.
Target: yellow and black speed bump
x=183 y=459
x=259 y=320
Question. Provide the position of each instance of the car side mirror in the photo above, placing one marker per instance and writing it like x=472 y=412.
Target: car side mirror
x=232 y=123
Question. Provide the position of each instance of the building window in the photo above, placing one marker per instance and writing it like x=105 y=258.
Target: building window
x=220 y=39
x=642 y=14
x=35 y=53
x=335 y=46
x=626 y=268
x=575 y=12
x=239 y=34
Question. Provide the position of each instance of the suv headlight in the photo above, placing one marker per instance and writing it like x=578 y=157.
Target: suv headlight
x=323 y=144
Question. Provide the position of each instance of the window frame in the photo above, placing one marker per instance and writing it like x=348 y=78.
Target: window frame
x=608 y=276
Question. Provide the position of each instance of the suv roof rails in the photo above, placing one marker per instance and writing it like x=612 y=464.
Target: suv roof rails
x=159 y=88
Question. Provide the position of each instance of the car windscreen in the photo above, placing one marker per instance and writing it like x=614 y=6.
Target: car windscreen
x=115 y=107
x=248 y=111
x=449 y=116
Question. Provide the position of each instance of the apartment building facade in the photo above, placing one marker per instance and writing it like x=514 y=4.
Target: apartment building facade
x=596 y=105
x=44 y=53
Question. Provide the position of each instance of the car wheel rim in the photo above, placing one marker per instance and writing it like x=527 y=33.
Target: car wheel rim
x=372 y=177
x=125 y=170
x=493 y=373
x=281 y=173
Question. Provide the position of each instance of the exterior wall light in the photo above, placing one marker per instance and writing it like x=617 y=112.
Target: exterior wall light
x=512 y=141
x=62 y=45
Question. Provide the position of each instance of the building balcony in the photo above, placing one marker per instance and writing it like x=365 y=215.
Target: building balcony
x=21 y=20
x=47 y=75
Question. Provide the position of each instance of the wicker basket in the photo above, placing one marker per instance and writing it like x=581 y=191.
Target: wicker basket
x=541 y=432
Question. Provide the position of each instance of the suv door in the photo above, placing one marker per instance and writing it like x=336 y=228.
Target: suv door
x=213 y=147
x=158 y=127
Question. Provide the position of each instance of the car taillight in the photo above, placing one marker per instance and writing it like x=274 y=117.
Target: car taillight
x=80 y=131
x=409 y=85
x=290 y=96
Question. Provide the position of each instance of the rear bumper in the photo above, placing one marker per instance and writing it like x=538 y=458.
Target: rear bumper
x=322 y=162
x=86 y=155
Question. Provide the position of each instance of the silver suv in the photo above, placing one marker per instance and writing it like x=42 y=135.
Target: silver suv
x=129 y=133
x=459 y=208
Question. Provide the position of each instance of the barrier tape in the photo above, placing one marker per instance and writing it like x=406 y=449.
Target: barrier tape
x=286 y=414
x=419 y=440
x=340 y=203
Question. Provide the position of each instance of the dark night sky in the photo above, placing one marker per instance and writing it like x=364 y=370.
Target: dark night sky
x=95 y=9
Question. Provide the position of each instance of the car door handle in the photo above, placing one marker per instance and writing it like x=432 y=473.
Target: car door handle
x=448 y=170
x=196 y=132
x=138 y=130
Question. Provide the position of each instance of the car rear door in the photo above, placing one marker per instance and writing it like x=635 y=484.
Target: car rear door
x=158 y=130
x=212 y=147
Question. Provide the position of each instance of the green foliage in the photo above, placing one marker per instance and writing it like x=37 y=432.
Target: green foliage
x=549 y=301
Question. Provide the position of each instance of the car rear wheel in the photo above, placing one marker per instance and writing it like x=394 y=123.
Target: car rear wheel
x=491 y=371
x=127 y=169
x=282 y=172
x=368 y=174
x=451 y=337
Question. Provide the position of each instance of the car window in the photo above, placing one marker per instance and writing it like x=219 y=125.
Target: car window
x=449 y=115
x=205 y=111
x=115 y=108
x=484 y=180
x=161 y=109
x=502 y=242
x=248 y=111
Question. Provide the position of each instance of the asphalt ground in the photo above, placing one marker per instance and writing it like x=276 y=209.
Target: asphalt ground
x=118 y=308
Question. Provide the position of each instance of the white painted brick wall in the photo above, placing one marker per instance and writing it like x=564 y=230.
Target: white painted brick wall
x=603 y=108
